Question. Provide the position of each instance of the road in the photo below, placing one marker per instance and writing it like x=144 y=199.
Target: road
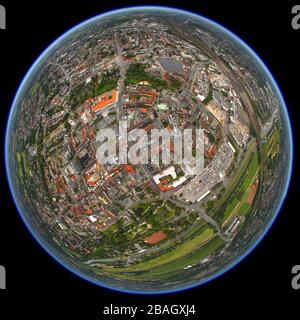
x=190 y=82
x=188 y=207
x=64 y=72
x=196 y=208
x=121 y=81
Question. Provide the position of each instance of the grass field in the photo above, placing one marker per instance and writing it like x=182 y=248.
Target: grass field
x=111 y=230
x=163 y=213
x=229 y=208
x=137 y=73
x=179 y=252
x=240 y=206
x=271 y=147
x=243 y=209
x=23 y=166
x=171 y=269
x=191 y=259
x=251 y=171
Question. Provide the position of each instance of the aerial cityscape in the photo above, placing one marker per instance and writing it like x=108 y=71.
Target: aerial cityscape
x=148 y=227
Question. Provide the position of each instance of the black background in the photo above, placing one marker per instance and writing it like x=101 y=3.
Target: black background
x=37 y=286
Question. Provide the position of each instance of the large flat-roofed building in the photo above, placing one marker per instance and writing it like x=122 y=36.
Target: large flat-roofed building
x=107 y=99
x=200 y=186
x=168 y=65
x=220 y=100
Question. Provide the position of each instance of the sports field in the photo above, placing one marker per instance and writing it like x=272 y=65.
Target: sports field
x=175 y=267
x=177 y=253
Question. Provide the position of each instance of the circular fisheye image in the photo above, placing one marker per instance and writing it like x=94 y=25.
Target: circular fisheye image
x=148 y=150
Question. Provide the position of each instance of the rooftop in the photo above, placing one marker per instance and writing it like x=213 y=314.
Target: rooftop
x=106 y=99
x=171 y=66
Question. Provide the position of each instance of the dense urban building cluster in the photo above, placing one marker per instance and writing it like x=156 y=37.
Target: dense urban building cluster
x=153 y=72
